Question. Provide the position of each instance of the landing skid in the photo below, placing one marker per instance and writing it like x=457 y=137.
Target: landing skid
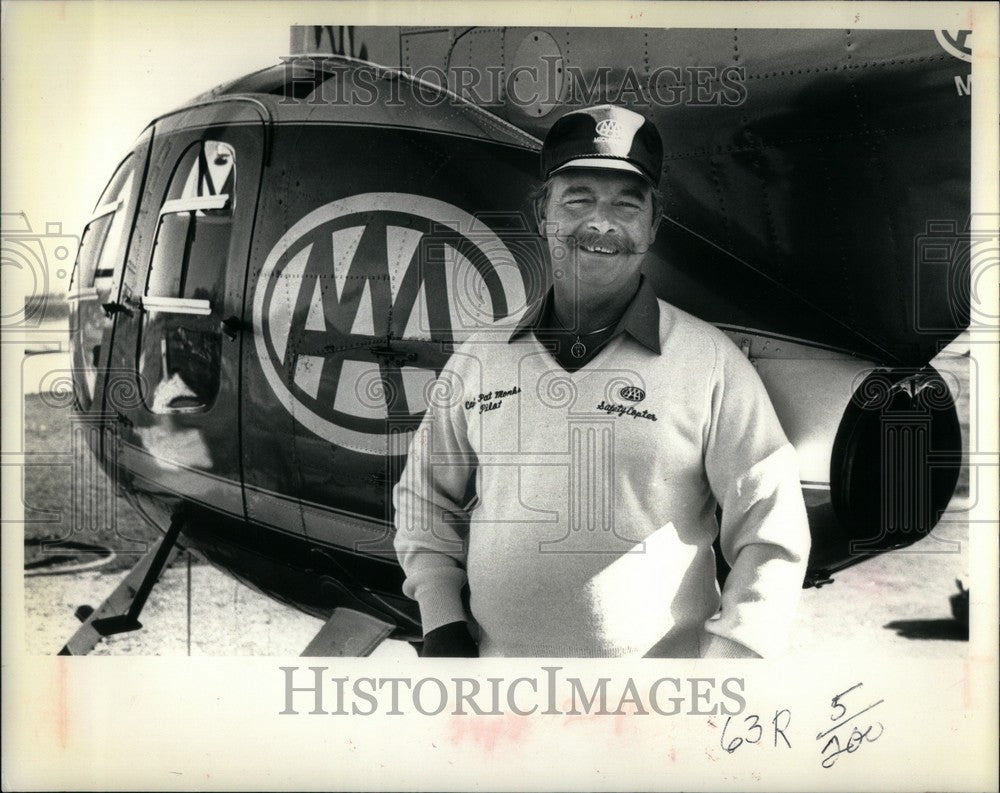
x=120 y=612
x=348 y=632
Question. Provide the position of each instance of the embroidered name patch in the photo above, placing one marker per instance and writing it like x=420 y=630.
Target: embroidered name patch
x=491 y=400
x=611 y=408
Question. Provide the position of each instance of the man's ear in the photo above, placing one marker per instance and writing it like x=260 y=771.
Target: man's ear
x=540 y=214
x=657 y=217
x=657 y=198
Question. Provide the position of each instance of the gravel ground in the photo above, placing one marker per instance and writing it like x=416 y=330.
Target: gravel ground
x=226 y=617
x=894 y=604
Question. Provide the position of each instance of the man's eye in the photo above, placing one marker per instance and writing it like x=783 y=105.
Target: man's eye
x=629 y=205
x=577 y=201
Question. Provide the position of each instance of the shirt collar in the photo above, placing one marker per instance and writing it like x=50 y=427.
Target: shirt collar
x=641 y=319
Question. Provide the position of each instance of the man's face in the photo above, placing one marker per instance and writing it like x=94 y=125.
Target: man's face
x=598 y=226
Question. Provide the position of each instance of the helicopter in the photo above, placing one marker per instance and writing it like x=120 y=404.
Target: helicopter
x=278 y=270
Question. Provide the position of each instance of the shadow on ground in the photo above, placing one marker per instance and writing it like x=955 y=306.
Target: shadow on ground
x=940 y=630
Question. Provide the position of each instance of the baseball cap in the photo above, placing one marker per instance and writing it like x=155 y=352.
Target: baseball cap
x=604 y=136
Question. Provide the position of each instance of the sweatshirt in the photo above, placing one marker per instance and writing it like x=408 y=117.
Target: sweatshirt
x=580 y=508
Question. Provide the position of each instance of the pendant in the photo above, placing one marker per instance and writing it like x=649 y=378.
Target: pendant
x=578 y=350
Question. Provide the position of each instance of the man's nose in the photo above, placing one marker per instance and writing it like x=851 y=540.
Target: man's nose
x=601 y=220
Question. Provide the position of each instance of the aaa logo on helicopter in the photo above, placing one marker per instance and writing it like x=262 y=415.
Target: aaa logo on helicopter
x=347 y=289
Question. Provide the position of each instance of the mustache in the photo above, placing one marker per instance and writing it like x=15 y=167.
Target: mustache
x=611 y=239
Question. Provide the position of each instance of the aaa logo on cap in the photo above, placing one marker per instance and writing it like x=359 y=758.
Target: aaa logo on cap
x=609 y=128
x=632 y=393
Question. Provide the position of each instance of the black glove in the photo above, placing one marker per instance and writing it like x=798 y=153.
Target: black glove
x=450 y=641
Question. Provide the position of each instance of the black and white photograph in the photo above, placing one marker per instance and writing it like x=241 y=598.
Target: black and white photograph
x=519 y=396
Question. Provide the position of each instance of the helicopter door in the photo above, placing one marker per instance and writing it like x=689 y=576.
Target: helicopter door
x=179 y=435
x=97 y=277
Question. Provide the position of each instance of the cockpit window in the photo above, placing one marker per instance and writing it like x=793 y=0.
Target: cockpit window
x=207 y=169
x=97 y=275
x=192 y=241
x=181 y=336
x=104 y=240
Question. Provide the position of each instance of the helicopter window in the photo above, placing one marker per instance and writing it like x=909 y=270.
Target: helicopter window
x=181 y=336
x=94 y=237
x=192 y=241
x=104 y=236
x=189 y=255
x=207 y=169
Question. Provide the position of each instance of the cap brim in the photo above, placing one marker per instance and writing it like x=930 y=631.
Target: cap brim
x=603 y=163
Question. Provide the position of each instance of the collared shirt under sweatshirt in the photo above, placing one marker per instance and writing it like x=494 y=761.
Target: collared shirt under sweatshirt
x=594 y=510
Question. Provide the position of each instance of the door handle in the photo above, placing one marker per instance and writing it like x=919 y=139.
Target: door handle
x=233 y=325
x=114 y=307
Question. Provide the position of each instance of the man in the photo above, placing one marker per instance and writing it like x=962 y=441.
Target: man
x=567 y=477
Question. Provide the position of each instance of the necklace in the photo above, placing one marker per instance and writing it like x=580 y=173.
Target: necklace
x=579 y=349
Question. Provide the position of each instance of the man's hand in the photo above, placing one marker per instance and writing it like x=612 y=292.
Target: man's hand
x=450 y=641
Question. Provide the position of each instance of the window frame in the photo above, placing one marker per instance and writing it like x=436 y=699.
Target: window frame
x=174 y=305
x=176 y=206
x=76 y=291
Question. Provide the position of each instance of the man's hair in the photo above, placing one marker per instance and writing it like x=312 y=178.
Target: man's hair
x=539 y=197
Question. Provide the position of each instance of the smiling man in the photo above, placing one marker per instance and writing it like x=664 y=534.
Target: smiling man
x=560 y=497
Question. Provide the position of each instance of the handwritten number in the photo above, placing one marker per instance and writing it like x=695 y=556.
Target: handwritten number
x=854 y=741
x=833 y=748
x=831 y=759
x=835 y=702
x=753 y=732
x=734 y=744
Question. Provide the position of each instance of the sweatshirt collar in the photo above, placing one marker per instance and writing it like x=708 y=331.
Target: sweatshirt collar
x=641 y=319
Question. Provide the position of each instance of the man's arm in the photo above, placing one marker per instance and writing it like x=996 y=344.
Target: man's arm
x=431 y=524
x=753 y=472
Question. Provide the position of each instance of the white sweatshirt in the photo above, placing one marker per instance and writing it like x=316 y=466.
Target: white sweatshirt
x=592 y=527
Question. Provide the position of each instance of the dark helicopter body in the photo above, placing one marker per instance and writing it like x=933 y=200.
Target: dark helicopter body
x=277 y=272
